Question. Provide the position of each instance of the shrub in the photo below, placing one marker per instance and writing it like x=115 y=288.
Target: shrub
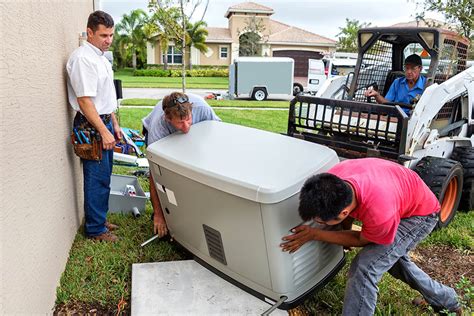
x=151 y=73
x=177 y=73
x=178 y=67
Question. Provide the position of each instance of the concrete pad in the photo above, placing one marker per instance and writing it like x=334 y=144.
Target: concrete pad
x=187 y=288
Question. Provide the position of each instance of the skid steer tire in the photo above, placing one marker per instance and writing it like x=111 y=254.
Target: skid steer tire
x=445 y=178
x=465 y=155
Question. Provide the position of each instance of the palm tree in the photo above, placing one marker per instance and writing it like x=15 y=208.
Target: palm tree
x=132 y=27
x=119 y=48
x=196 y=36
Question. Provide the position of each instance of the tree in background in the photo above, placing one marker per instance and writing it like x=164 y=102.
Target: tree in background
x=251 y=38
x=186 y=9
x=119 y=48
x=196 y=36
x=458 y=12
x=131 y=28
x=347 y=38
x=163 y=27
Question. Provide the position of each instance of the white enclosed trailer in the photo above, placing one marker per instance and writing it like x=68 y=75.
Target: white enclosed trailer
x=259 y=77
x=230 y=193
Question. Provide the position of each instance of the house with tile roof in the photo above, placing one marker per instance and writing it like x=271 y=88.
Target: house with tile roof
x=277 y=39
x=425 y=23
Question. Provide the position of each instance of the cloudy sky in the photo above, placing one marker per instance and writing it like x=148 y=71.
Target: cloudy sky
x=323 y=17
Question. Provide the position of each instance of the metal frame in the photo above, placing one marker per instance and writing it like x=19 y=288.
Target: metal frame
x=352 y=129
x=394 y=39
x=339 y=123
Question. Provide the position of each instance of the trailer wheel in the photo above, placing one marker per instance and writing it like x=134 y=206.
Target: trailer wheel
x=465 y=155
x=259 y=94
x=445 y=178
x=297 y=89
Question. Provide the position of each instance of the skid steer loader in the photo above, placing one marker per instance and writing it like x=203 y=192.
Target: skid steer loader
x=435 y=138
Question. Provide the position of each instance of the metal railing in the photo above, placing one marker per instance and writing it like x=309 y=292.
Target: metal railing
x=352 y=129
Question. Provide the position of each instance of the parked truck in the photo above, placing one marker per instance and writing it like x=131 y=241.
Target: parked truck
x=319 y=70
x=259 y=77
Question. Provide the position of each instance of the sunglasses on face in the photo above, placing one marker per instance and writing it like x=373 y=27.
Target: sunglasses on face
x=181 y=100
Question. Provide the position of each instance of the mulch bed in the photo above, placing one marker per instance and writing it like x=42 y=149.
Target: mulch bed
x=89 y=309
x=445 y=264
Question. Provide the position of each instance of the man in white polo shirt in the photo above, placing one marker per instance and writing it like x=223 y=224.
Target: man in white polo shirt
x=91 y=93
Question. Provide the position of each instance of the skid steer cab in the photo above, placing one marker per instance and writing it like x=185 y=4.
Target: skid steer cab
x=433 y=135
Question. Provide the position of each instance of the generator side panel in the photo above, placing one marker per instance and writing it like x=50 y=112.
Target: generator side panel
x=222 y=229
x=295 y=274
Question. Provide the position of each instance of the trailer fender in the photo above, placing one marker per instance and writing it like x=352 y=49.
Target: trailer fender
x=259 y=93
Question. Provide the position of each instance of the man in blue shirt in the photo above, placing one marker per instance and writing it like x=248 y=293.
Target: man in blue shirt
x=405 y=89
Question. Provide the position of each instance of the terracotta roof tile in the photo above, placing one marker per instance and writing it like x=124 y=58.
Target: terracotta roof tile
x=425 y=23
x=281 y=33
x=250 y=6
x=218 y=34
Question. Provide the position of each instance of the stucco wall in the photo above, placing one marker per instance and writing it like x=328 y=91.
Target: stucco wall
x=41 y=179
x=322 y=49
x=238 y=22
x=212 y=57
x=158 y=54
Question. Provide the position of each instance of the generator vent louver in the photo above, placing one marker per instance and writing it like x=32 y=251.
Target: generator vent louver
x=309 y=261
x=214 y=244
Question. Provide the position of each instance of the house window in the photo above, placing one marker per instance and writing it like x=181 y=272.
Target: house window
x=174 y=55
x=223 y=52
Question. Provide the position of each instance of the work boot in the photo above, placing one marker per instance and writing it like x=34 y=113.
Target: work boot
x=110 y=226
x=107 y=236
x=420 y=302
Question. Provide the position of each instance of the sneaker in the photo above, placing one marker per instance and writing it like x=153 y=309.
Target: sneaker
x=107 y=236
x=110 y=226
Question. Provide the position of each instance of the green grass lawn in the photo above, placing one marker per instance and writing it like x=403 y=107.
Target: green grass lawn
x=99 y=274
x=130 y=81
x=218 y=103
x=275 y=121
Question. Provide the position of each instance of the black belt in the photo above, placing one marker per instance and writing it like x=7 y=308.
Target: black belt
x=80 y=119
x=106 y=118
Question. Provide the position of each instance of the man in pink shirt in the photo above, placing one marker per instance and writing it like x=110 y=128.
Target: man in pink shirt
x=397 y=211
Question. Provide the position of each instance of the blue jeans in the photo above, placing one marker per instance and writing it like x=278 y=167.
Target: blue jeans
x=374 y=260
x=97 y=176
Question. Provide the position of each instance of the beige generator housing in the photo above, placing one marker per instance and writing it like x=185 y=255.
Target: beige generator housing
x=230 y=193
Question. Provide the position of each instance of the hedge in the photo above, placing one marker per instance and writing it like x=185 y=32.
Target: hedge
x=178 y=67
x=177 y=73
